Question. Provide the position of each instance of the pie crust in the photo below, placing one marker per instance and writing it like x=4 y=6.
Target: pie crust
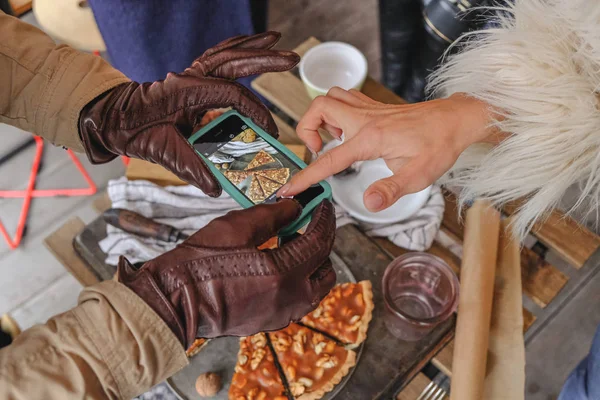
x=344 y=313
x=312 y=363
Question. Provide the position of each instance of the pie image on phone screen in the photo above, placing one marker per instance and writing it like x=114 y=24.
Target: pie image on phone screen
x=251 y=165
x=256 y=168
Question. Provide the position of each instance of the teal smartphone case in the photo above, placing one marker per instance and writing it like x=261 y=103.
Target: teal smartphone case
x=239 y=197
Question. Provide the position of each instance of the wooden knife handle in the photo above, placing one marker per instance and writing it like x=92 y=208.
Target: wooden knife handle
x=132 y=222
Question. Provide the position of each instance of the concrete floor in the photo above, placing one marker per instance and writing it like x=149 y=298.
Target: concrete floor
x=34 y=286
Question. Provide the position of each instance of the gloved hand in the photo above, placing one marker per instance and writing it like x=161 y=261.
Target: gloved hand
x=218 y=283
x=151 y=121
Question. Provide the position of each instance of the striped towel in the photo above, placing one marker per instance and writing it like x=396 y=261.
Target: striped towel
x=188 y=209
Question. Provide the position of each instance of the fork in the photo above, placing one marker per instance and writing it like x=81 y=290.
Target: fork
x=437 y=389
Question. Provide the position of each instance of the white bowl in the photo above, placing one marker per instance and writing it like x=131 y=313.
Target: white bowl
x=332 y=64
x=348 y=192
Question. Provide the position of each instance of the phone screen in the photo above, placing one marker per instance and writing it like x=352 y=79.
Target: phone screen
x=249 y=162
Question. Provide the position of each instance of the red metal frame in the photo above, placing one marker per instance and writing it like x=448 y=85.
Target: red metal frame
x=31 y=192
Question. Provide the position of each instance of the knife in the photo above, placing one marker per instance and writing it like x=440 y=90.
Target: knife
x=132 y=222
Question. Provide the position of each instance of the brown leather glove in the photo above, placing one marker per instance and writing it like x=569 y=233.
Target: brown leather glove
x=218 y=283
x=151 y=121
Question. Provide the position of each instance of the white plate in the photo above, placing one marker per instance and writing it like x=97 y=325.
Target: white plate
x=348 y=192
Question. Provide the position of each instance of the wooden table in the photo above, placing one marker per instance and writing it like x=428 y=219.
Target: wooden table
x=389 y=367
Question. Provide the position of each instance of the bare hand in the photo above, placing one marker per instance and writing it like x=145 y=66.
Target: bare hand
x=419 y=142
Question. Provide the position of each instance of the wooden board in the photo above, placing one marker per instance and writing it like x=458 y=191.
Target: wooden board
x=572 y=241
x=414 y=389
x=20 y=7
x=59 y=243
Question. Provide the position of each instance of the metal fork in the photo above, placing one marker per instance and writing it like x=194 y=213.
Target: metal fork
x=436 y=389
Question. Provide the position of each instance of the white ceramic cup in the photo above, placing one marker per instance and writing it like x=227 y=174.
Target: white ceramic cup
x=332 y=64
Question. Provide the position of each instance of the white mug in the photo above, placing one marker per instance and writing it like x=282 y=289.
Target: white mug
x=332 y=64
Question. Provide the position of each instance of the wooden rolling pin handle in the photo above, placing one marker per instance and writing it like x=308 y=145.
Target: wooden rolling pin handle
x=137 y=224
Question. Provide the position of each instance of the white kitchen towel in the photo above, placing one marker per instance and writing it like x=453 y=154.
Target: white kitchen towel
x=188 y=209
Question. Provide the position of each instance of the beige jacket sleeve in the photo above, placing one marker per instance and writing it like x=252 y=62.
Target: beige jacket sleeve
x=44 y=86
x=111 y=346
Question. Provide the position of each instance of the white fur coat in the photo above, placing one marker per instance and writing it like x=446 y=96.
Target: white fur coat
x=540 y=69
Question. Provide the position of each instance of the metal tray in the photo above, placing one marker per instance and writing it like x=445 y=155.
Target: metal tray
x=220 y=356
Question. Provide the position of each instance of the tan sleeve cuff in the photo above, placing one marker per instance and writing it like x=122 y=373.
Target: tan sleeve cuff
x=79 y=78
x=138 y=348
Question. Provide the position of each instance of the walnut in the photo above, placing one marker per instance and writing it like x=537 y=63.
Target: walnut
x=242 y=359
x=317 y=312
x=319 y=347
x=208 y=384
x=305 y=381
x=259 y=340
x=257 y=357
x=298 y=348
x=326 y=361
x=297 y=389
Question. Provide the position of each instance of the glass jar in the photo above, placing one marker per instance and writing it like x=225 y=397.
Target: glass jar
x=420 y=291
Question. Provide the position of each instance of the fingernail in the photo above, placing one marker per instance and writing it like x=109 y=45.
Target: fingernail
x=342 y=137
x=284 y=189
x=315 y=155
x=374 y=201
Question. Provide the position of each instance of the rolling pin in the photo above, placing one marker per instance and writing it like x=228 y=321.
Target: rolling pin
x=505 y=377
x=132 y=222
x=480 y=248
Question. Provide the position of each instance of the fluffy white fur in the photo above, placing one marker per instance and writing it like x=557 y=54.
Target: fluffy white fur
x=541 y=70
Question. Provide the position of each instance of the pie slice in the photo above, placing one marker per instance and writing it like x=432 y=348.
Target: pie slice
x=196 y=347
x=261 y=158
x=247 y=136
x=311 y=363
x=279 y=175
x=268 y=186
x=344 y=313
x=256 y=375
x=255 y=193
x=236 y=177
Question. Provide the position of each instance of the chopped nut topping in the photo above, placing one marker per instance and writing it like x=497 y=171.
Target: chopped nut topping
x=305 y=381
x=257 y=357
x=319 y=347
x=242 y=359
x=298 y=348
x=297 y=389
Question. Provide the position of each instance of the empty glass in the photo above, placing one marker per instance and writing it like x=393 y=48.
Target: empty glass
x=420 y=291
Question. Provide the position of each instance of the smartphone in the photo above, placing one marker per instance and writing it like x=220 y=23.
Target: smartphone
x=251 y=165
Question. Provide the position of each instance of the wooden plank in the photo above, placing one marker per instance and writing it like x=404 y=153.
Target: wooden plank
x=381 y=371
x=102 y=202
x=413 y=390
x=571 y=240
x=443 y=359
x=60 y=243
x=20 y=7
x=542 y=281
x=287 y=134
